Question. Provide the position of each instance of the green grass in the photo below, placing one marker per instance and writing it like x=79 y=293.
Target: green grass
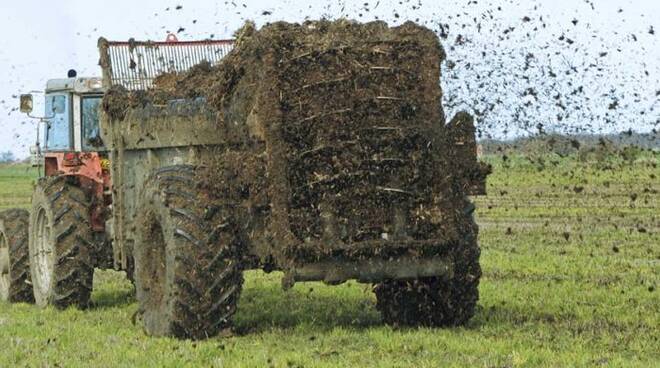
x=571 y=258
x=16 y=185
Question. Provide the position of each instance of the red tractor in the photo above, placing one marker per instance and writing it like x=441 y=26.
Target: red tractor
x=48 y=255
x=66 y=225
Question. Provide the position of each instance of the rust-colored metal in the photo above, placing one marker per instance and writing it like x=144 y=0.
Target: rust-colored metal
x=86 y=164
x=91 y=170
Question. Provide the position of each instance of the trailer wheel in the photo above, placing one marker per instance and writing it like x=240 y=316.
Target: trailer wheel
x=435 y=301
x=15 y=284
x=187 y=264
x=60 y=248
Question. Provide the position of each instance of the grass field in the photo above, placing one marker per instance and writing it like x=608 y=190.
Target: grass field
x=571 y=259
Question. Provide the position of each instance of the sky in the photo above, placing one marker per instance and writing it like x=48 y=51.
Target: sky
x=521 y=67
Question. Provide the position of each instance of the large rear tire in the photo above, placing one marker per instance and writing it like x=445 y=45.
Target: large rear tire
x=436 y=301
x=15 y=284
x=61 y=244
x=187 y=258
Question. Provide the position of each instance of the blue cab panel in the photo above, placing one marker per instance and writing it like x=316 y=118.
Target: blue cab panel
x=57 y=135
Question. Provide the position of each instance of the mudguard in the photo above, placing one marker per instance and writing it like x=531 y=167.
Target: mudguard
x=472 y=173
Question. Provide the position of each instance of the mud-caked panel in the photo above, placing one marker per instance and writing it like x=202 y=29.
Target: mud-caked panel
x=361 y=128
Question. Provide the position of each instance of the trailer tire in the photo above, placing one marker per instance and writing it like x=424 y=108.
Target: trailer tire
x=436 y=301
x=60 y=244
x=188 y=275
x=15 y=284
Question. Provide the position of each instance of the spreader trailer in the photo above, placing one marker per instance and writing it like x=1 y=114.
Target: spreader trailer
x=319 y=150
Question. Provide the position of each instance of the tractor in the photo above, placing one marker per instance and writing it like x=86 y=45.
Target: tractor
x=48 y=254
x=65 y=228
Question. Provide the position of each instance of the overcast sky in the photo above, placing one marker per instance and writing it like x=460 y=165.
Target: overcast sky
x=522 y=65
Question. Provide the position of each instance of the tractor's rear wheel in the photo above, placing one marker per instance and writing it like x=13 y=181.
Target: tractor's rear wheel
x=15 y=285
x=60 y=244
x=187 y=258
x=436 y=301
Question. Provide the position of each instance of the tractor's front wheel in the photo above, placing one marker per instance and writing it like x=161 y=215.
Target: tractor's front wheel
x=15 y=285
x=60 y=244
x=187 y=258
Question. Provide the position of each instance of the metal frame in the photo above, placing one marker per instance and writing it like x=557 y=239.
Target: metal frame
x=76 y=121
x=134 y=65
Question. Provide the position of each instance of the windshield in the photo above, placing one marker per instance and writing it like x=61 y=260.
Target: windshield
x=91 y=134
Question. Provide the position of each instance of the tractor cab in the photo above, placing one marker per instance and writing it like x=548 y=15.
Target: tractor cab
x=69 y=140
x=68 y=132
x=71 y=115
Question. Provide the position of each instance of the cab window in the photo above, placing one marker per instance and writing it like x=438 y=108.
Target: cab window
x=91 y=134
x=58 y=127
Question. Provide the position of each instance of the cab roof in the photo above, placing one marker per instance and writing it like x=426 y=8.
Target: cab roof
x=76 y=85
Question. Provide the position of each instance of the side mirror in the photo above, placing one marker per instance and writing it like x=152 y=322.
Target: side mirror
x=26 y=103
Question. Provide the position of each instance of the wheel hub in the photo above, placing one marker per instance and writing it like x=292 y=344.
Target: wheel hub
x=43 y=252
x=4 y=267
